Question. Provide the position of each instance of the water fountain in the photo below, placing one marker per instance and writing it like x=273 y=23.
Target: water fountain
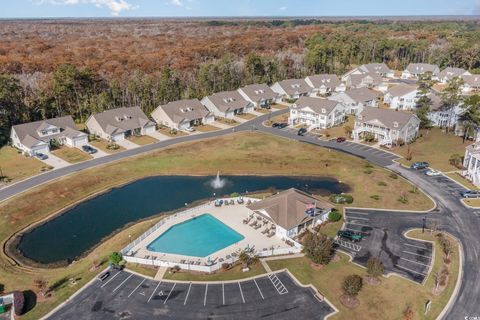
x=218 y=183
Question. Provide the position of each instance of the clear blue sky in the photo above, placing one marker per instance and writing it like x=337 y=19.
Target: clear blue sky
x=176 y=8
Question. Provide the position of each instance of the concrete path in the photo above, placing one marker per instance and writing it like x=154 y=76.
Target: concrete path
x=256 y=113
x=157 y=135
x=241 y=120
x=127 y=144
x=100 y=153
x=160 y=273
x=221 y=125
x=55 y=161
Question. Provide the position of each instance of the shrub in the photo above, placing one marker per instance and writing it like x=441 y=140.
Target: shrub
x=403 y=199
x=456 y=160
x=225 y=266
x=115 y=258
x=375 y=197
x=341 y=198
x=234 y=194
x=318 y=247
x=352 y=285
x=334 y=215
x=375 y=267
x=18 y=302
x=413 y=190
x=382 y=184
x=369 y=137
x=113 y=146
x=368 y=171
x=393 y=176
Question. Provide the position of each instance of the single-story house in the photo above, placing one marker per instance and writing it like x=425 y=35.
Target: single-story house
x=449 y=73
x=292 y=89
x=182 y=114
x=117 y=124
x=36 y=137
x=260 y=95
x=317 y=113
x=471 y=163
x=376 y=68
x=325 y=83
x=355 y=100
x=389 y=127
x=292 y=211
x=471 y=83
x=402 y=97
x=227 y=104
x=414 y=70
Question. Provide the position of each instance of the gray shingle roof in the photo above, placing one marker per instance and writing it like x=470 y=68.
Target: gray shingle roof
x=472 y=80
x=357 y=79
x=362 y=94
x=450 y=73
x=184 y=110
x=228 y=101
x=379 y=68
x=259 y=92
x=295 y=86
x=386 y=116
x=401 y=89
x=287 y=208
x=417 y=68
x=119 y=120
x=316 y=104
x=330 y=81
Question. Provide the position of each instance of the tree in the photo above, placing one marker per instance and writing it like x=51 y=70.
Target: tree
x=375 y=267
x=247 y=258
x=41 y=285
x=115 y=258
x=12 y=106
x=352 y=285
x=423 y=106
x=470 y=118
x=408 y=313
x=348 y=130
x=18 y=302
x=318 y=247
x=334 y=215
x=456 y=160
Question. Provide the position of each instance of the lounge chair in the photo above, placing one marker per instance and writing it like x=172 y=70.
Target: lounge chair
x=220 y=260
x=182 y=261
x=253 y=224
x=234 y=254
x=226 y=203
x=265 y=231
x=232 y=201
x=258 y=226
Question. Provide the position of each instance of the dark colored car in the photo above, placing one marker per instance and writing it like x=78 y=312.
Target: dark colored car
x=282 y=125
x=419 y=165
x=104 y=276
x=275 y=125
x=301 y=131
x=350 y=235
x=470 y=194
x=41 y=156
x=341 y=139
x=89 y=149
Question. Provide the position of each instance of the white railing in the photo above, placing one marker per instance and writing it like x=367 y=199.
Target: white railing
x=278 y=251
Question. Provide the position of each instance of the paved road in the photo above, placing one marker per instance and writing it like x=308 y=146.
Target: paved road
x=454 y=217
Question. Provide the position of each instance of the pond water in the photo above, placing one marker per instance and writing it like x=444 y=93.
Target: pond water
x=82 y=227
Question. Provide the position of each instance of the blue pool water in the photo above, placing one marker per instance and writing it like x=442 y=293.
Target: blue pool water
x=198 y=237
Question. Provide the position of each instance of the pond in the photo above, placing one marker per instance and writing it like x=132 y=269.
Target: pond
x=80 y=228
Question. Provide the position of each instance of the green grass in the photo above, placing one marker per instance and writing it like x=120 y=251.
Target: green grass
x=142 y=269
x=71 y=155
x=457 y=177
x=435 y=147
x=331 y=228
x=233 y=274
x=16 y=166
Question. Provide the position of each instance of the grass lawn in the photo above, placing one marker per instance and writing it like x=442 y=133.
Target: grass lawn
x=246 y=116
x=280 y=106
x=472 y=202
x=262 y=110
x=102 y=145
x=148 y=271
x=71 y=155
x=239 y=153
x=167 y=131
x=206 y=128
x=331 y=228
x=142 y=140
x=228 y=122
x=386 y=301
x=279 y=118
x=232 y=274
x=458 y=177
x=435 y=147
x=16 y=166
x=339 y=131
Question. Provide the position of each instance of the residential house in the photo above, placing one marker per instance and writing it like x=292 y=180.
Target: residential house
x=402 y=97
x=414 y=70
x=355 y=100
x=292 y=89
x=317 y=113
x=227 y=104
x=260 y=95
x=325 y=83
x=367 y=80
x=117 y=124
x=471 y=163
x=36 y=137
x=471 y=83
x=442 y=116
x=374 y=68
x=182 y=114
x=389 y=127
x=449 y=73
x=292 y=211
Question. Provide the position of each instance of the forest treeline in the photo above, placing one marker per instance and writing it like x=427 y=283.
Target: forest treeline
x=52 y=69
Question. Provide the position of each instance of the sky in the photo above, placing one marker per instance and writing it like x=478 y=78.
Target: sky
x=231 y=8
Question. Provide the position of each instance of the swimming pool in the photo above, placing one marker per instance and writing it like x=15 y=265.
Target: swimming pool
x=198 y=237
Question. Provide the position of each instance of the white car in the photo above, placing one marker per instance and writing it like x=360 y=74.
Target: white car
x=432 y=173
x=190 y=129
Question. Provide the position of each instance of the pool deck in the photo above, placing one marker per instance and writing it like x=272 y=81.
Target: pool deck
x=232 y=216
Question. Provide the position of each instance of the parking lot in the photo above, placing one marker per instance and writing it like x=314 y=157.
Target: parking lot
x=383 y=238
x=126 y=295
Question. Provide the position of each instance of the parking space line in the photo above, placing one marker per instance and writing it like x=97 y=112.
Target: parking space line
x=122 y=282
x=412 y=245
x=116 y=274
x=188 y=292
x=420 y=263
x=358 y=212
x=223 y=293
x=416 y=254
x=136 y=288
x=205 y=299
x=169 y=293
x=358 y=224
x=153 y=293
x=259 y=289
x=241 y=292
x=410 y=270
x=359 y=218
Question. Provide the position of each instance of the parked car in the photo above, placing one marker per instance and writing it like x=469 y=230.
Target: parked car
x=41 y=156
x=419 y=165
x=275 y=125
x=341 y=139
x=301 y=131
x=350 y=235
x=104 y=276
x=89 y=149
x=470 y=194
x=431 y=173
x=282 y=125
x=190 y=129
